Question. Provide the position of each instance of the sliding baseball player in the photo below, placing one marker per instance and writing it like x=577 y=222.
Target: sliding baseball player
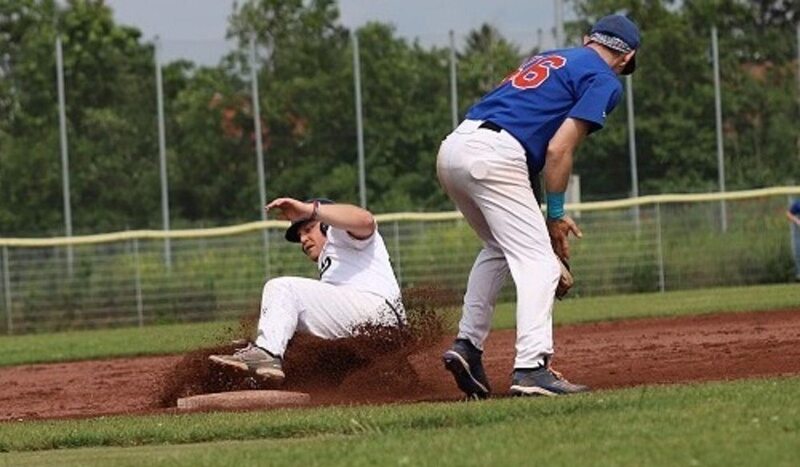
x=356 y=285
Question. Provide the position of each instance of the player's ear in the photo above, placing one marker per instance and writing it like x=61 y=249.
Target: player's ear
x=629 y=56
x=323 y=227
x=627 y=63
x=586 y=40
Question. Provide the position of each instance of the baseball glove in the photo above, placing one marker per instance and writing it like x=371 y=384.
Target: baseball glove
x=565 y=281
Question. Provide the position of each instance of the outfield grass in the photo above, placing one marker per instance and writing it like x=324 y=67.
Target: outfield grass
x=176 y=338
x=685 y=302
x=105 y=343
x=754 y=422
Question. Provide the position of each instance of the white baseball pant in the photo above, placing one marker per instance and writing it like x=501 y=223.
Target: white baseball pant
x=297 y=304
x=486 y=175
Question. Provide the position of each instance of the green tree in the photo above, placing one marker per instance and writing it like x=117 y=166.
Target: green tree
x=110 y=81
x=305 y=85
x=305 y=79
x=307 y=101
x=212 y=156
x=406 y=110
x=487 y=58
x=674 y=97
x=29 y=168
x=110 y=109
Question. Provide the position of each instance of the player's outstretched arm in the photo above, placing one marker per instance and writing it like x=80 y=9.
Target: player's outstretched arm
x=291 y=209
x=357 y=221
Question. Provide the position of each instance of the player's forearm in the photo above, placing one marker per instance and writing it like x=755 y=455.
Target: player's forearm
x=558 y=160
x=359 y=222
x=557 y=169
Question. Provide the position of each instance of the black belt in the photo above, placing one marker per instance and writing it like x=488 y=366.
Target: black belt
x=494 y=127
x=491 y=126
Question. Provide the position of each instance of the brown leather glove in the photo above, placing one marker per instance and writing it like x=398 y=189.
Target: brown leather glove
x=565 y=281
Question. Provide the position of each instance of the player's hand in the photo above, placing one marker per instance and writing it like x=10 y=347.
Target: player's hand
x=565 y=281
x=559 y=234
x=291 y=209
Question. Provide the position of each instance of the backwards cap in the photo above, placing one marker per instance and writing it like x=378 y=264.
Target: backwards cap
x=619 y=33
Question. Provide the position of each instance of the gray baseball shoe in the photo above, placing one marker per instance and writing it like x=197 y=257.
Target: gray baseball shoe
x=255 y=360
x=542 y=381
x=463 y=360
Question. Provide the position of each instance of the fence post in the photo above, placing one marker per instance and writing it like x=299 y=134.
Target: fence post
x=62 y=131
x=7 y=292
x=254 y=96
x=362 y=177
x=660 y=250
x=453 y=83
x=138 y=280
x=398 y=266
x=718 y=115
x=559 y=28
x=162 y=154
x=632 y=152
x=539 y=40
x=257 y=136
x=267 y=263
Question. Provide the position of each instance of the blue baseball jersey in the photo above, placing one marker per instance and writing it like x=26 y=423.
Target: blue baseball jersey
x=534 y=101
x=795 y=207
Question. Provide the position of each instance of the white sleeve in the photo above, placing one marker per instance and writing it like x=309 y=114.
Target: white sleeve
x=341 y=237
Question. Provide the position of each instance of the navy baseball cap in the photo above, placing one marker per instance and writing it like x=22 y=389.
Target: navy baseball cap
x=619 y=33
x=293 y=232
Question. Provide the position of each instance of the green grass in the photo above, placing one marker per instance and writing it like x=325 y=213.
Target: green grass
x=104 y=343
x=176 y=338
x=648 y=305
x=754 y=422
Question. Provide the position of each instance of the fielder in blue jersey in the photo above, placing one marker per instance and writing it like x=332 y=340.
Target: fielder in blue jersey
x=793 y=214
x=531 y=123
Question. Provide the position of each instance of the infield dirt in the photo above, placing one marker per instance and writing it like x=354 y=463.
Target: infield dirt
x=603 y=355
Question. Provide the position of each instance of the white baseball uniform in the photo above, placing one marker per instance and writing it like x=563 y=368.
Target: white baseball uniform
x=485 y=174
x=356 y=286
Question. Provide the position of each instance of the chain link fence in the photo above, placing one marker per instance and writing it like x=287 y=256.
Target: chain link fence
x=122 y=279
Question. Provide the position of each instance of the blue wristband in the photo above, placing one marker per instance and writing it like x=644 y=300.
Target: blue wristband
x=555 y=205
